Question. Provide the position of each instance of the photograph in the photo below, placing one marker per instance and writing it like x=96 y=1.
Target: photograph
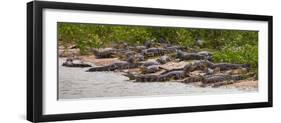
x=89 y=61
x=113 y=61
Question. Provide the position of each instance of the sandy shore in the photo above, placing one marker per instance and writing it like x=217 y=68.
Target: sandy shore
x=77 y=84
x=242 y=85
x=98 y=62
x=247 y=85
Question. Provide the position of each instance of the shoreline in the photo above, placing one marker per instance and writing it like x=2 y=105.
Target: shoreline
x=242 y=85
x=74 y=83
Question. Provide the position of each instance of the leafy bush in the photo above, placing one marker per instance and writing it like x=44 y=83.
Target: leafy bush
x=245 y=54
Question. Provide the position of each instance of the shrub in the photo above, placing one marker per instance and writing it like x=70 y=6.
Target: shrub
x=245 y=54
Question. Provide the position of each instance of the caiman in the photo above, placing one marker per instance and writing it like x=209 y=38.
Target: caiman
x=152 y=52
x=172 y=75
x=105 y=53
x=115 y=66
x=221 y=78
x=163 y=59
x=190 y=56
x=70 y=63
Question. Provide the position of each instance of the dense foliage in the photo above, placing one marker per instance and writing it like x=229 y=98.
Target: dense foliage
x=234 y=46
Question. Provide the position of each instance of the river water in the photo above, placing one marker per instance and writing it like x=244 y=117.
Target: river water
x=75 y=83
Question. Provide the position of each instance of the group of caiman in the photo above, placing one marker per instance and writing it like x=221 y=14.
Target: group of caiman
x=150 y=58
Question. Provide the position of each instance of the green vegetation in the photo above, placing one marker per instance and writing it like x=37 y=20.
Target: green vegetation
x=232 y=46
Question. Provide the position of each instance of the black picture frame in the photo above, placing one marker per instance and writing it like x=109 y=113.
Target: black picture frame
x=35 y=69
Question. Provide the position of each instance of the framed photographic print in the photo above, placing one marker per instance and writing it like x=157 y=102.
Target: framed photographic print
x=88 y=61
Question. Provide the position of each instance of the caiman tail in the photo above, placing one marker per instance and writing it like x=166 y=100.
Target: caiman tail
x=130 y=75
x=94 y=69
